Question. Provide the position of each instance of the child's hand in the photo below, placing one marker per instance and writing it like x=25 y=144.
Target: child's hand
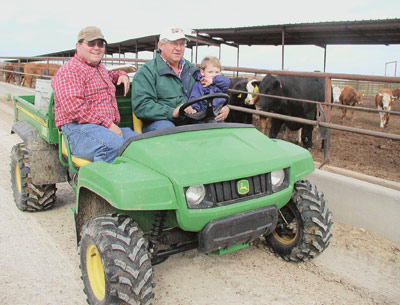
x=190 y=110
x=206 y=81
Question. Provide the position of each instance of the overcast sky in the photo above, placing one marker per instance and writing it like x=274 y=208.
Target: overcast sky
x=31 y=28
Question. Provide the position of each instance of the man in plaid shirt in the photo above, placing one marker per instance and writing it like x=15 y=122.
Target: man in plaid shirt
x=85 y=104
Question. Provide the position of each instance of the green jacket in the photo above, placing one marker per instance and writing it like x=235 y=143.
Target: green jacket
x=157 y=91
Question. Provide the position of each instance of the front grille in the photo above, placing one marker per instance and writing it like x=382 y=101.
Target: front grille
x=226 y=192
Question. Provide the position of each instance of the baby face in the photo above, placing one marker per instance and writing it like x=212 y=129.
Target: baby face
x=210 y=71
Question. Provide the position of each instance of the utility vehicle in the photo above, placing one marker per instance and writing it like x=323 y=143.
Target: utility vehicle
x=213 y=187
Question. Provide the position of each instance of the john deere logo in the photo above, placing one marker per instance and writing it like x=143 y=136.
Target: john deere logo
x=242 y=187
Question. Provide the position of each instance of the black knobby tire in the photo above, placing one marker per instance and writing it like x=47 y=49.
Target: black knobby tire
x=28 y=196
x=115 y=264
x=304 y=226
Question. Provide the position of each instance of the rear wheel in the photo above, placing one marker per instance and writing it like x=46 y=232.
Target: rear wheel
x=304 y=225
x=115 y=264
x=28 y=196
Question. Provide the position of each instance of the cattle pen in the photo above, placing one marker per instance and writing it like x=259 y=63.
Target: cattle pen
x=324 y=109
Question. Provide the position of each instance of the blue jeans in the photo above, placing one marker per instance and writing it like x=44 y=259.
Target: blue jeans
x=95 y=142
x=156 y=125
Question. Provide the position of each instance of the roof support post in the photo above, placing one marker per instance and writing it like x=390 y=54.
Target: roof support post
x=283 y=49
x=325 y=57
x=119 y=53
x=197 y=45
x=155 y=48
x=237 y=61
x=137 y=54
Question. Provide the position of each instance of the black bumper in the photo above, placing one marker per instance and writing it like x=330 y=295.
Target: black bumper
x=240 y=228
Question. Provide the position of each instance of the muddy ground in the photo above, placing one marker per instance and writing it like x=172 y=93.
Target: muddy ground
x=369 y=155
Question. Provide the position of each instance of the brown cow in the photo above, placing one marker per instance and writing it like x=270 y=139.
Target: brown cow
x=349 y=96
x=12 y=70
x=396 y=93
x=38 y=69
x=384 y=101
x=127 y=68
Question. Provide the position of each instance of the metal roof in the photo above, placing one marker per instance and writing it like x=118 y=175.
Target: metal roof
x=135 y=45
x=384 y=31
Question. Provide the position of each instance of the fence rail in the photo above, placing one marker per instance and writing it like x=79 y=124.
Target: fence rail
x=367 y=83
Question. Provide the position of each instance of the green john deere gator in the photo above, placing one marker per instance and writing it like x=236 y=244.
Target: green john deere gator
x=211 y=187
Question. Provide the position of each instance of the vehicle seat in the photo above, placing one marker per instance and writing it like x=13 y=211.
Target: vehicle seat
x=78 y=162
x=137 y=124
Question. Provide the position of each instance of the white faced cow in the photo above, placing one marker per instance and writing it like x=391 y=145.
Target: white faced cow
x=336 y=93
x=384 y=101
x=247 y=100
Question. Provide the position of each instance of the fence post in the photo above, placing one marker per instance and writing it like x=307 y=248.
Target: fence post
x=328 y=99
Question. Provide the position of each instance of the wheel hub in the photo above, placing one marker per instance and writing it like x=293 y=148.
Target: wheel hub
x=18 y=178
x=95 y=272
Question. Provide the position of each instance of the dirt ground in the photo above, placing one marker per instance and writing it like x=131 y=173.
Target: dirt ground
x=377 y=157
x=39 y=262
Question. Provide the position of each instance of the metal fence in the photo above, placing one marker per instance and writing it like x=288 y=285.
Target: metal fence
x=367 y=84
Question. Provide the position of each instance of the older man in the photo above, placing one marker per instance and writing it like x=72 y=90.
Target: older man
x=85 y=105
x=164 y=83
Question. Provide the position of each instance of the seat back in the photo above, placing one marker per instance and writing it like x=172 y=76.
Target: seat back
x=74 y=163
x=137 y=124
x=128 y=118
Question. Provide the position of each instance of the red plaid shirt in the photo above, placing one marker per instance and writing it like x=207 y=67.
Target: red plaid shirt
x=85 y=93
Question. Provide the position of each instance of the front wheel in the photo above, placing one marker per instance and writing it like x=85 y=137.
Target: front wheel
x=115 y=264
x=304 y=225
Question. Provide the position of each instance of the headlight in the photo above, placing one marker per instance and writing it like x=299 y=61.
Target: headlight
x=195 y=195
x=277 y=179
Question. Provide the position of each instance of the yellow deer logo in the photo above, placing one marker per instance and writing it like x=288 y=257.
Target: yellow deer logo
x=242 y=187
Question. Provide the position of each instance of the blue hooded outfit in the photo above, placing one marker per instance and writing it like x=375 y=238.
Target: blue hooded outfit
x=220 y=84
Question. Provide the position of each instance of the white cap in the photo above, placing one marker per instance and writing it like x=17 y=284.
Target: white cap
x=173 y=34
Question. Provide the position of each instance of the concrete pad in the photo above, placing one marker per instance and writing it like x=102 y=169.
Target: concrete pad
x=360 y=203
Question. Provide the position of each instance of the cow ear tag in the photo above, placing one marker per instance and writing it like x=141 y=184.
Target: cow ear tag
x=240 y=95
x=256 y=89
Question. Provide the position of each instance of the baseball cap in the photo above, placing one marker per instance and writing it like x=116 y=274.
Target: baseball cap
x=173 y=34
x=90 y=33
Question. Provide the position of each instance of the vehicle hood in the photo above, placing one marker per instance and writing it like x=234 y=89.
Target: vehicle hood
x=212 y=155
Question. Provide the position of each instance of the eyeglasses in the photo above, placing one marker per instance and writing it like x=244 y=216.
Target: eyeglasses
x=176 y=44
x=91 y=44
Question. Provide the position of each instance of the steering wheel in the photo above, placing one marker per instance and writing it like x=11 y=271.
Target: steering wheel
x=209 y=113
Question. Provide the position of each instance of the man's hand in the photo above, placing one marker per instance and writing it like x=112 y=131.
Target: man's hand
x=125 y=80
x=223 y=114
x=116 y=129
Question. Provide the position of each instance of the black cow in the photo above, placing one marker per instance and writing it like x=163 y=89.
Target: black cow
x=239 y=99
x=295 y=87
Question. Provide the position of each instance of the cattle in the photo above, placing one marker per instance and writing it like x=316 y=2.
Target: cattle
x=293 y=87
x=396 y=93
x=38 y=69
x=12 y=72
x=126 y=68
x=350 y=97
x=336 y=93
x=247 y=100
x=384 y=101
